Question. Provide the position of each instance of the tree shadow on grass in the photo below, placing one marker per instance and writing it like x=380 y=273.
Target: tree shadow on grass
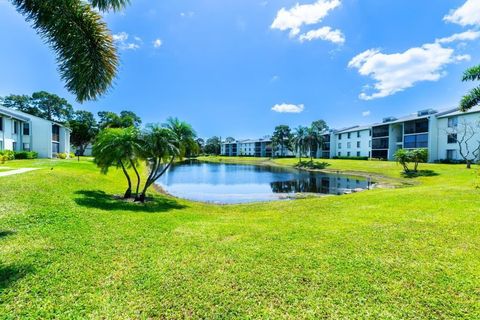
x=100 y=200
x=6 y=233
x=420 y=173
x=11 y=273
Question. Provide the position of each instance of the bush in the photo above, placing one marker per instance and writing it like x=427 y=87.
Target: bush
x=61 y=155
x=404 y=157
x=26 y=155
x=71 y=155
x=3 y=159
x=312 y=165
x=350 y=158
x=8 y=154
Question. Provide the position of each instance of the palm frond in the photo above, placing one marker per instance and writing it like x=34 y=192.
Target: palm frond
x=106 y=5
x=472 y=74
x=471 y=100
x=85 y=51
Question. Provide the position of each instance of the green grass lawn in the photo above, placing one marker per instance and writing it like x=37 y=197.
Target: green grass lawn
x=69 y=250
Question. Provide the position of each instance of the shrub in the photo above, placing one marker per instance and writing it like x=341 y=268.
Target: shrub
x=8 y=154
x=26 y=155
x=404 y=157
x=3 y=159
x=61 y=155
x=72 y=155
x=312 y=165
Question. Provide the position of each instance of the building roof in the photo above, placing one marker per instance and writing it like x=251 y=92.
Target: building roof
x=456 y=112
x=353 y=129
x=20 y=115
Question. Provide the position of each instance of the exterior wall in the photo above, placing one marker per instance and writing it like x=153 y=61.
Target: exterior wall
x=442 y=137
x=39 y=138
x=358 y=145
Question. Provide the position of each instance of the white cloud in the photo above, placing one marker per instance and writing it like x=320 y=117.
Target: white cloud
x=467 y=14
x=396 y=72
x=366 y=113
x=157 y=43
x=464 y=36
x=288 y=108
x=122 y=41
x=187 y=14
x=274 y=78
x=307 y=14
x=324 y=33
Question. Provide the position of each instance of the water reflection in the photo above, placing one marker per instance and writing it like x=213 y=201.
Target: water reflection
x=235 y=183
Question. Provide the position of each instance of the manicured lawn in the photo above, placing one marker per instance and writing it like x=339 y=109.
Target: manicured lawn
x=69 y=250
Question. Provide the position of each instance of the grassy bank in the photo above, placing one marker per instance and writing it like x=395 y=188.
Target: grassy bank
x=69 y=250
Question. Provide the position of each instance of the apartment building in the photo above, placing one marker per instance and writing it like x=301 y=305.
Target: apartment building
x=252 y=148
x=21 y=131
x=439 y=132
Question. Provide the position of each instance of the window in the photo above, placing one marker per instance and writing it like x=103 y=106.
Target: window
x=349 y=145
x=15 y=128
x=416 y=141
x=1 y=124
x=381 y=143
x=358 y=153
x=416 y=126
x=14 y=146
x=26 y=129
x=369 y=143
x=340 y=136
x=55 y=133
x=339 y=154
x=348 y=135
x=370 y=132
x=451 y=154
x=339 y=146
x=380 y=154
x=26 y=147
x=452 y=138
x=358 y=134
x=381 y=131
x=452 y=122
x=55 y=147
x=358 y=144
x=348 y=154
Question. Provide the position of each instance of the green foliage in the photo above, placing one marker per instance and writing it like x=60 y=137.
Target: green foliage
x=8 y=154
x=71 y=155
x=405 y=157
x=472 y=98
x=213 y=146
x=85 y=50
x=282 y=138
x=41 y=104
x=125 y=119
x=301 y=141
x=62 y=155
x=84 y=129
x=26 y=155
x=312 y=165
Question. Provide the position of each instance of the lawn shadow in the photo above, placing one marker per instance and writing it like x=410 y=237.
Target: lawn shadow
x=100 y=200
x=6 y=233
x=420 y=173
x=12 y=273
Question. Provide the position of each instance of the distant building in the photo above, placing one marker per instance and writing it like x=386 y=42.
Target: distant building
x=21 y=131
x=430 y=129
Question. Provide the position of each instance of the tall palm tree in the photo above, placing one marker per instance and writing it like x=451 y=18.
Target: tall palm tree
x=86 y=55
x=472 y=98
x=118 y=147
x=300 y=141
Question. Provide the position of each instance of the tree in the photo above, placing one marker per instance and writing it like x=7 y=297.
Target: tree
x=230 y=140
x=201 y=145
x=159 y=147
x=84 y=129
x=86 y=55
x=405 y=157
x=315 y=136
x=300 y=141
x=213 y=146
x=109 y=119
x=282 y=137
x=118 y=147
x=185 y=135
x=41 y=104
x=463 y=134
x=472 y=98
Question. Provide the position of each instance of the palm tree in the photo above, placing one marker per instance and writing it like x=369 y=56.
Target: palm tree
x=300 y=141
x=185 y=135
x=160 y=146
x=118 y=147
x=472 y=99
x=86 y=55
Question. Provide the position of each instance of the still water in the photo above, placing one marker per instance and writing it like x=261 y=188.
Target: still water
x=240 y=183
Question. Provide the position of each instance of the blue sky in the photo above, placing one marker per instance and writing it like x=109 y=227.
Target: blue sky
x=229 y=67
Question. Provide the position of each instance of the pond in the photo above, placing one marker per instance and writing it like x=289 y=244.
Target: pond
x=241 y=183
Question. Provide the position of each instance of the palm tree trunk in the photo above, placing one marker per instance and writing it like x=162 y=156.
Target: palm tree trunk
x=128 y=192
x=138 y=177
